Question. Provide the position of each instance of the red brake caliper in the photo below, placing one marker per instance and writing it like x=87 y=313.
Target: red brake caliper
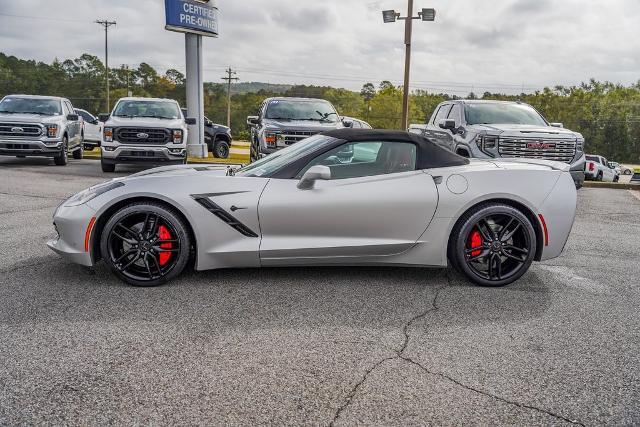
x=163 y=234
x=475 y=241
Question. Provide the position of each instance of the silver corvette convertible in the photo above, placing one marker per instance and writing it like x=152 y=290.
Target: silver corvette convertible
x=345 y=197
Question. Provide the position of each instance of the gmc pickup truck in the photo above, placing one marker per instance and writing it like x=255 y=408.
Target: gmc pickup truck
x=144 y=130
x=285 y=121
x=495 y=129
x=40 y=126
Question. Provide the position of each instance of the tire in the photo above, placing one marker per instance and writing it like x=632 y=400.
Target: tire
x=627 y=172
x=107 y=167
x=130 y=244
x=493 y=244
x=599 y=177
x=62 y=158
x=616 y=179
x=78 y=154
x=221 y=149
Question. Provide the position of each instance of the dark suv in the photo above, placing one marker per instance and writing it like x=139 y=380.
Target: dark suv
x=494 y=129
x=217 y=137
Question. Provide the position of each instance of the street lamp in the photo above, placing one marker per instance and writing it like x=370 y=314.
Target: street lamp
x=389 y=16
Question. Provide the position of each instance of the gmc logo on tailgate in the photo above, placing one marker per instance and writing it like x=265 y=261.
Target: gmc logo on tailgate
x=541 y=145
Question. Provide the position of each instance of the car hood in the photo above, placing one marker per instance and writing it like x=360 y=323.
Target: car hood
x=148 y=122
x=524 y=163
x=548 y=132
x=28 y=118
x=301 y=125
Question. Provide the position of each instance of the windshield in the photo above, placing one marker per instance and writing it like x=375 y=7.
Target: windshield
x=317 y=110
x=501 y=114
x=41 y=106
x=277 y=160
x=144 y=108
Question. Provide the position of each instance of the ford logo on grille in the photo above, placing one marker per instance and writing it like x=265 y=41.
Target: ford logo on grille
x=143 y=135
x=17 y=130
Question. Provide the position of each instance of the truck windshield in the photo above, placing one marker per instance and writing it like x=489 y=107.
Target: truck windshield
x=273 y=162
x=40 y=106
x=317 y=110
x=147 y=108
x=502 y=114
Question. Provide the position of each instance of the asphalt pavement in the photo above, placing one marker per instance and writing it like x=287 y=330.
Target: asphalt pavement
x=315 y=346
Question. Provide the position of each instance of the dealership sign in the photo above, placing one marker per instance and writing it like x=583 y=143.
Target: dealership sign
x=192 y=16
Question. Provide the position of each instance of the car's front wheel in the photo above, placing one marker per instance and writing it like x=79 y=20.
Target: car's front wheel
x=493 y=245
x=145 y=244
x=221 y=149
x=62 y=158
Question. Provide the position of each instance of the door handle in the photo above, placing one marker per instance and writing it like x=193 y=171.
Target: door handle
x=236 y=208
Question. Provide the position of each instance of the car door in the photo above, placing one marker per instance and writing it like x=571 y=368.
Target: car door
x=91 y=126
x=73 y=127
x=376 y=204
x=609 y=173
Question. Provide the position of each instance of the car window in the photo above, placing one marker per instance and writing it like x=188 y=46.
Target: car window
x=442 y=113
x=592 y=158
x=455 y=114
x=69 y=107
x=360 y=159
x=85 y=116
x=356 y=125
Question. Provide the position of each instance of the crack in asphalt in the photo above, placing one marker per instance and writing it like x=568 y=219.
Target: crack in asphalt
x=400 y=356
x=35 y=196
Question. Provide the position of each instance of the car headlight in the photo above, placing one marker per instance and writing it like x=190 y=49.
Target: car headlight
x=92 y=192
x=52 y=130
x=177 y=136
x=108 y=134
x=580 y=145
x=486 y=143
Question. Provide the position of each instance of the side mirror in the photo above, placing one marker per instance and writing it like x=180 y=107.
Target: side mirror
x=253 y=120
x=73 y=117
x=103 y=117
x=447 y=124
x=556 y=125
x=347 y=123
x=313 y=174
x=208 y=123
x=191 y=121
x=94 y=122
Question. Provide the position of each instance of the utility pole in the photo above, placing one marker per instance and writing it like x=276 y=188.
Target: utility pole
x=231 y=76
x=106 y=24
x=129 y=92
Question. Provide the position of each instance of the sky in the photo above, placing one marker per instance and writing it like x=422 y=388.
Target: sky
x=479 y=45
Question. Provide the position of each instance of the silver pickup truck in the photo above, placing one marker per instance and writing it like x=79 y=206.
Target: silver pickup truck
x=40 y=126
x=494 y=129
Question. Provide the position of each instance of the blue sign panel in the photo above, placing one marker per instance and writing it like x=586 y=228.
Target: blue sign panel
x=192 y=16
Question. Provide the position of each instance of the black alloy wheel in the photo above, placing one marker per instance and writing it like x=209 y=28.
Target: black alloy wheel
x=145 y=244
x=495 y=245
x=221 y=149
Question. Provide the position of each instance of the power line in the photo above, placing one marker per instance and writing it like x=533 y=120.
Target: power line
x=44 y=18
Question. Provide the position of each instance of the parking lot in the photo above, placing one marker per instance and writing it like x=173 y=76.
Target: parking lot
x=315 y=346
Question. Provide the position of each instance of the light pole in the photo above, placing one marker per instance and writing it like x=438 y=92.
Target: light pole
x=389 y=16
x=106 y=25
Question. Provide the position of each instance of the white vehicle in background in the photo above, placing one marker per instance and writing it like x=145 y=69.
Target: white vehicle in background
x=597 y=168
x=92 y=129
x=144 y=130
x=621 y=169
x=354 y=123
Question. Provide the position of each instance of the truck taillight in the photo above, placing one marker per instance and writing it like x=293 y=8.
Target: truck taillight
x=592 y=167
x=177 y=137
x=108 y=134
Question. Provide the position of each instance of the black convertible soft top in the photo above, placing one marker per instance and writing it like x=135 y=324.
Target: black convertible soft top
x=429 y=154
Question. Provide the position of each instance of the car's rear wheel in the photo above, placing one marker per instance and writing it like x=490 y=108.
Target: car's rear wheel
x=599 y=177
x=221 y=149
x=145 y=244
x=62 y=158
x=78 y=154
x=493 y=245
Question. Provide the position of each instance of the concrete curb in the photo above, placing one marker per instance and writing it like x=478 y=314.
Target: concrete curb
x=614 y=185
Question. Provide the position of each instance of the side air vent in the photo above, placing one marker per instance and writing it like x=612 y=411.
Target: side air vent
x=225 y=216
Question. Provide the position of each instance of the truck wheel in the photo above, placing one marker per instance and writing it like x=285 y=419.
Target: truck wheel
x=61 y=159
x=107 y=167
x=599 y=177
x=221 y=149
x=79 y=153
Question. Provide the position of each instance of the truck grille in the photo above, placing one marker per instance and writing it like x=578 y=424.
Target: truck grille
x=560 y=150
x=20 y=130
x=142 y=136
x=291 y=137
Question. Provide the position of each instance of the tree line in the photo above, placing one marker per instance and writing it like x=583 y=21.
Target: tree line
x=607 y=114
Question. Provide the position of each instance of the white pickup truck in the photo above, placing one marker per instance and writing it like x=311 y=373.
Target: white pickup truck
x=597 y=168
